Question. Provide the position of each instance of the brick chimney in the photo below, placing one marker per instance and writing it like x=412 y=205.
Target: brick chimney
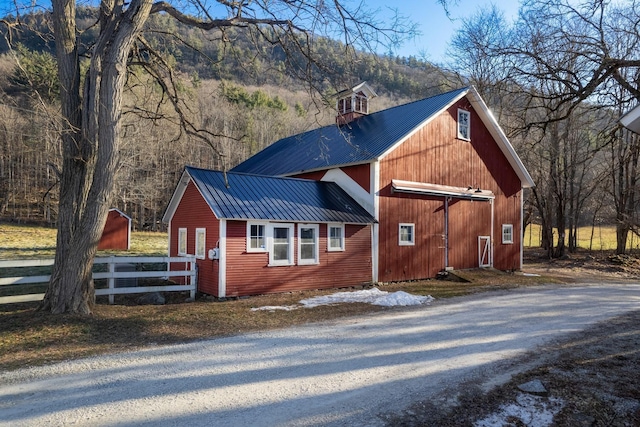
x=353 y=103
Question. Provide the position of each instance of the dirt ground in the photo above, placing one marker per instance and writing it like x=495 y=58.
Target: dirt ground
x=591 y=378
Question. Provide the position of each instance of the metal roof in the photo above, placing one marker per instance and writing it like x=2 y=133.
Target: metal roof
x=245 y=196
x=363 y=140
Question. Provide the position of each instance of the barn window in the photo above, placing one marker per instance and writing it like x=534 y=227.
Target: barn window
x=256 y=237
x=182 y=241
x=406 y=235
x=335 y=237
x=200 y=242
x=281 y=244
x=464 y=125
x=308 y=252
x=507 y=233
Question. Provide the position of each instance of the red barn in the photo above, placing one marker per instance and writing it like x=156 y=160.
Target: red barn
x=432 y=185
x=439 y=176
x=117 y=232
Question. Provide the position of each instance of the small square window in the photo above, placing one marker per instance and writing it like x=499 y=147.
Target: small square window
x=335 y=237
x=182 y=241
x=406 y=235
x=464 y=125
x=200 y=242
x=256 y=237
x=507 y=233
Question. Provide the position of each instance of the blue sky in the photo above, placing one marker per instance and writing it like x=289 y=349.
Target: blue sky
x=436 y=28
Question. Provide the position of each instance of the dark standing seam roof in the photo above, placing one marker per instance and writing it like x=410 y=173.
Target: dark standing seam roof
x=362 y=140
x=276 y=199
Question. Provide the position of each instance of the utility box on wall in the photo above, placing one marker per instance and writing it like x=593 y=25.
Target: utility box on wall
x=117 y=232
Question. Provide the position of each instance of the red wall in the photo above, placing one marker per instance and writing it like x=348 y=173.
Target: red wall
x=249 y=273
x=434 y=155
x=359 y=173
x=193 y=212
x=116 y=232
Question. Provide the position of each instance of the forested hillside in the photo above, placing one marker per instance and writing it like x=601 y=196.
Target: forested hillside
x=244 y=101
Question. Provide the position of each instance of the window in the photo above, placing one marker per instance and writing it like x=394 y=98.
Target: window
x=308 y=252
x=507 y=233
x=182 y=241
x=335 y=237
x=464 y=121
x=406 y=235
x=281 y=245
x=200 y=242
x=256 y=237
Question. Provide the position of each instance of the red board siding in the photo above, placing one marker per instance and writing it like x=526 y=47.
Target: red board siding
x=116 y=232
x=434 y=155
x=193 y=212
x=249 y=273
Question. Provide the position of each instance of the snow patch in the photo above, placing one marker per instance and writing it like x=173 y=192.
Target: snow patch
x=532 y=411
x=370 y=296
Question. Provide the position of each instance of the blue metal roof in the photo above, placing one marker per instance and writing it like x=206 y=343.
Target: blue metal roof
x=363 y=140
x=276 y=199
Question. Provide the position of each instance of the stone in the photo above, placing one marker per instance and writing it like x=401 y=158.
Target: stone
x=152 y=298
x=534 y=387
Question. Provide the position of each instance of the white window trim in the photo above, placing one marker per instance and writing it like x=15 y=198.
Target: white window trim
x=290 y=260
x=266 y=243
x=201 y=232
x=507 y=228
x=412 y=242
x=316 y=234
x=342 y=238
x=460 y=136
x=182 y=235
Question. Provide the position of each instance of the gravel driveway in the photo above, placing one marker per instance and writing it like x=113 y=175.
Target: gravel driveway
x=344 y=373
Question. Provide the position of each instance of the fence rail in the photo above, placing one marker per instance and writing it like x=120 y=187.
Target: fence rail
x=115 y=277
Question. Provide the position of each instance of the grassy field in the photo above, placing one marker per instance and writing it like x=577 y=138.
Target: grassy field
x=604 y=238
x=28 y=242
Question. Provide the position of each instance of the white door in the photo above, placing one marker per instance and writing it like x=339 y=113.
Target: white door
x=484 y=251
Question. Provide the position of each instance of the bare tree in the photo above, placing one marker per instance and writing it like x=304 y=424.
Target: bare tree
x=92 y=110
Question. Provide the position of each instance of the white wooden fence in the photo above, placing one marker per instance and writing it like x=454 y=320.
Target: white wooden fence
x=112 y=275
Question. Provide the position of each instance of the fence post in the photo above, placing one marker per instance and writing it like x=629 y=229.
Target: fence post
x=112 y=280
x=193 y=282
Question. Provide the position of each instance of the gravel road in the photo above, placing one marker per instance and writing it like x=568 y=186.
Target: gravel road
x=348 y=372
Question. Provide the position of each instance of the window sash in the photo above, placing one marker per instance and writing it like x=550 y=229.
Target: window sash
x=335 y=238
x=464 y=125
x=308 y=252
x=281 y=244
x=182 y=241
x=507 y=233
x=201 y=239
x=256 y=237
x=406 y=234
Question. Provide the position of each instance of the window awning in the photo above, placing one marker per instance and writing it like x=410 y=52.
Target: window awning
x=427 y=189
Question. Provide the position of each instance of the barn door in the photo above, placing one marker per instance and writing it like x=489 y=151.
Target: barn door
x=484 y=251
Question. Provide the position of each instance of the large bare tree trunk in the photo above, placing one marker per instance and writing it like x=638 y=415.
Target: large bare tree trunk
x=90 y=144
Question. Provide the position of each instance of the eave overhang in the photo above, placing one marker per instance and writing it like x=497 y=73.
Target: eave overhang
x=437 y=190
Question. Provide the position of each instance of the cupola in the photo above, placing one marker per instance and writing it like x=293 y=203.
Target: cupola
x=353 y=103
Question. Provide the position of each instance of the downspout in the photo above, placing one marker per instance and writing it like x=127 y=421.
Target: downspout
x=491 y=242
x=222 y=260
x=446 y=233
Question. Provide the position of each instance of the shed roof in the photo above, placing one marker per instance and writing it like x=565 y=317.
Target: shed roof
x=631 y=120
x=370 y=138
x=254 y=197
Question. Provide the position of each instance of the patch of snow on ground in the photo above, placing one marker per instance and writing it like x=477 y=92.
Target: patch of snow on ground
x=371 y=296
x=532 y=411
x=275 y=307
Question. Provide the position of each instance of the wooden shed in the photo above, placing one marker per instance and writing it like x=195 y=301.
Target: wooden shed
x=117 y=232
x=439 y=176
